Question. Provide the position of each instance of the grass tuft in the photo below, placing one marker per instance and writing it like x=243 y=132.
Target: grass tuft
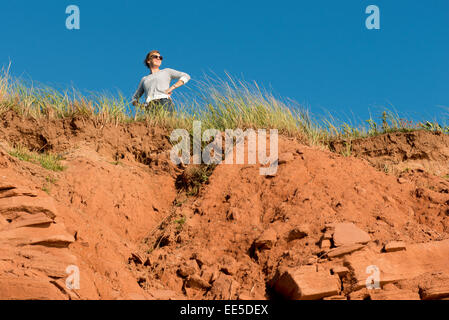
x=193 y=177
x=46 y=160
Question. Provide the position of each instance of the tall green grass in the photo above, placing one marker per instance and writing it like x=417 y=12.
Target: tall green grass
x=219 y=103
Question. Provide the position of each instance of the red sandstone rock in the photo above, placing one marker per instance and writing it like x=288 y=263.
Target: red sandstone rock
x=305 y=283
x=344 y=250
x=347 y=234
x=394 y=246
x=298 y=232
x=417 y=260
x=393 y=295
x=25 y=288
x=435 y=290
x=266 y=240
x=340 y=271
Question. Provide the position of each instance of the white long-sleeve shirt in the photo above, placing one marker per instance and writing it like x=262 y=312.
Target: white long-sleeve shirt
x=155 y=85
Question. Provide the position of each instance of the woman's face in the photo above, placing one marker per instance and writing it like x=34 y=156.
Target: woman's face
x=155 y=60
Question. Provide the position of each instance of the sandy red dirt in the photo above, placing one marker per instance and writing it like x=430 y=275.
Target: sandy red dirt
x=115 y=212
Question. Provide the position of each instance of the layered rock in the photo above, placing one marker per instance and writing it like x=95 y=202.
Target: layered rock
x=35 y=255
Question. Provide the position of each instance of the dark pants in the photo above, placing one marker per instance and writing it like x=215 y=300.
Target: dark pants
x=160 y=104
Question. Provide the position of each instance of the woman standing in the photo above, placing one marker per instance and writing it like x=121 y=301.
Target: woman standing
x=156 y=86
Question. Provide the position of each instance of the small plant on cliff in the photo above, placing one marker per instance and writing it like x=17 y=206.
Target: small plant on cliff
x=46 y=160
x=180 y=223
x=193 y=178
x=346 y=152
x=434 y=126
x=116 y=163
x=48 y=184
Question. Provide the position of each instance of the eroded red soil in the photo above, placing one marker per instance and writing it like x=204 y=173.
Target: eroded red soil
x=115 y=212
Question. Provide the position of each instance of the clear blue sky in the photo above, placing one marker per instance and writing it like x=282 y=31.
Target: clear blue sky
x=318 y=53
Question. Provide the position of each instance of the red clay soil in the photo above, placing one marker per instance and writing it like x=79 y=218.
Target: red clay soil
x=116 y=214
x=400 y=151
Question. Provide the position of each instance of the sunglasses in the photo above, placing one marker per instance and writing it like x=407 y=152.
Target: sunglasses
x=157 y=57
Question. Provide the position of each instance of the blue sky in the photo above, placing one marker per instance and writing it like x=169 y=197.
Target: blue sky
x=318 y=53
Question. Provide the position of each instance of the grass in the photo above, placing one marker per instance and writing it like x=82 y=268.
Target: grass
x=219 y=103
x=193 y=178
x=389 y=121
x=50 y=181
x=46 y=160
x=116 y=163
x=180 y=223
x=46 y=189
x=346 y=152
